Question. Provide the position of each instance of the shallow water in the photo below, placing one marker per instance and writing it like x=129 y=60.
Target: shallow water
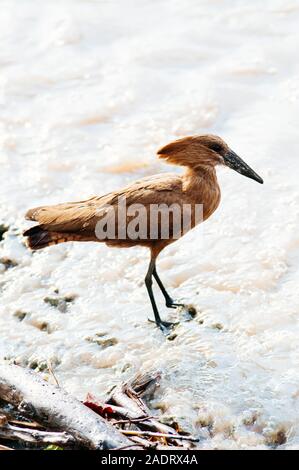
x=89 y=90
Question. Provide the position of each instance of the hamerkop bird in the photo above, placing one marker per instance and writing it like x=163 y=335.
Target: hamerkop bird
x=77 y=221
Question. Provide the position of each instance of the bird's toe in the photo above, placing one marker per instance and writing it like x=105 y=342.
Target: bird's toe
x=166 y=327
x=172 y=304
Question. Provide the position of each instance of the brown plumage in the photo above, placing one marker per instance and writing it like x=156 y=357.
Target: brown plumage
x=77 y=221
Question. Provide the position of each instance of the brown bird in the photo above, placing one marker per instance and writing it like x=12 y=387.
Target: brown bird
x=83 y=220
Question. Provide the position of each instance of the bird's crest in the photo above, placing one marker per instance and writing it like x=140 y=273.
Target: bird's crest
x=180 y=152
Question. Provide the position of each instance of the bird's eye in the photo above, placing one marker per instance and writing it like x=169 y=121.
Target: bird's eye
x=216 y=147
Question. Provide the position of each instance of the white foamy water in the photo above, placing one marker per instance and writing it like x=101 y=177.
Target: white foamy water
x=89 y=91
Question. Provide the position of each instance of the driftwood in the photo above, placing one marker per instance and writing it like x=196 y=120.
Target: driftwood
x=125 y=421
x=5 y=448
x=130 y=395
x=159 y=434
x=15 y=433
x=55 y=408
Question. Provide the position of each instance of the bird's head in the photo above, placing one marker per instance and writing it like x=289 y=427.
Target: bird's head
x=205 y=151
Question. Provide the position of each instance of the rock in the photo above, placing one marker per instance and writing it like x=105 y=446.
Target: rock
x=100 y=341
x=3 y=228
x=275 y=437
x=61 y=303
x=20 y=315
x=217 y=326
x=8 y=262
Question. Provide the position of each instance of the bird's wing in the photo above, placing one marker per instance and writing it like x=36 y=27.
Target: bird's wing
x=68 y=217
x=82 y=216
x=148 y=190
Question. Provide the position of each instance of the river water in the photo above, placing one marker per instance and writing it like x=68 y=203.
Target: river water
x=89 y=90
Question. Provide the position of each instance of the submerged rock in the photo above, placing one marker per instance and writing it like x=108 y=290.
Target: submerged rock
x=100 y=340
x=20 y=315
x=8 y=262
x=275 y=436
x=61 y=303
x=3 y=228
x=217 y=326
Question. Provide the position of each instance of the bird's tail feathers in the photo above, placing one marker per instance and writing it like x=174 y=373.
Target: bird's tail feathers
x=38 y=238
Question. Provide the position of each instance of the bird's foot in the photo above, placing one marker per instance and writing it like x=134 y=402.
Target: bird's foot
x=172 y=304
x=165 y=326
x=189 y=310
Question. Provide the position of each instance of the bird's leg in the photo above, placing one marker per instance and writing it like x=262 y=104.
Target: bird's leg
x=168 y=300
x=163 y=325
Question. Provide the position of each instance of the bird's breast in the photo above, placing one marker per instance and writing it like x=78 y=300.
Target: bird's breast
x=207 y=197
x=210 y=202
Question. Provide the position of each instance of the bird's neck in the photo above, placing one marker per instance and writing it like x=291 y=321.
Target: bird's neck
x=200 y=178
x=202 y=187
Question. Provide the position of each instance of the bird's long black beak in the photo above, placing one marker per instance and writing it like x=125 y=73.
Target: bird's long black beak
x=232 y=160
